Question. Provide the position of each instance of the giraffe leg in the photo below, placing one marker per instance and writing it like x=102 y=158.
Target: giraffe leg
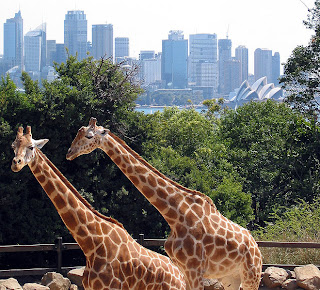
x=231 y=282
x=250 y=279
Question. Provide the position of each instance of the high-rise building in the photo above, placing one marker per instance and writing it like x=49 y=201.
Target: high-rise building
x=35 y=49
x=263 y=64
x=276 y=68
x=224 y=51
x=102 y=41
x=241 y=54
x=203 y=67
x=121 y=48
x=51 y=51
x=75 y=33
x=151 y=70
x=146 y=54
x=174 y=61
x=232 y=75
x=13 y=41
x=61 y=54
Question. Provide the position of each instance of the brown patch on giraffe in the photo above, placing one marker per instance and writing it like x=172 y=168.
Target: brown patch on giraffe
x=59 y=201
x=231 y=245
x=181 y=230
x=183 y=207
x=219 y=254
x=41 y=179
x=196 y=232
x=160 y=204
x=106 y=228
x=193 y=263
x=88 y=244
x=134 y=180
x=151 y=180
x=190 y=218
x=161 y=182
x=143 y=179
x=70 y=220
x=170 y=189
x=175 y=200
x=82 y=216
x=198 y=249
x=207 y=239
x=72 y=201
x=98 y=229
x=115 y=237
x=106 y=276
x=220 y=241
x=223 y=224
x=181 y=257
x=110 y=153
x=117 y=160
x=99 y=264
x=188 y=245
x=172 y=214
x=125 y=255
x=82 y=232
x=197 y=209
x=140 y=169
x=97 y=240
x=49 y=187
x=161 y=193
x=221 y=232
x=229 y=235
x=97 y=285
x=233 y=254
x=36 y=170
x=90 y=216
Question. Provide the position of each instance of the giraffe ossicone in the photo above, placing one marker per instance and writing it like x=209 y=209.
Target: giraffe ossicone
x=202 y=243
x=114 y=260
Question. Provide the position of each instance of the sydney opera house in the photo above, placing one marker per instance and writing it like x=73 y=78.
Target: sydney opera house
x=261 y=90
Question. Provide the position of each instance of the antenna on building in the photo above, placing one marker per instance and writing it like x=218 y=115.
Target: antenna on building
x=228 y=32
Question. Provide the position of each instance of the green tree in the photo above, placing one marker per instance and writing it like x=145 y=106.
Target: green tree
x=275 y=151
x=301 y=78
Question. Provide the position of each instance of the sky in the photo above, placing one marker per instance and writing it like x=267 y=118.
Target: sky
x=272 y=24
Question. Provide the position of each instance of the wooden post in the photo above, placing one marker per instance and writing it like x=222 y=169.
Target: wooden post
x=141 y=239
x=59 y=254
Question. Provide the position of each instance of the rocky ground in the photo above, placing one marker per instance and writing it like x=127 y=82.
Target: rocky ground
x=305 y=277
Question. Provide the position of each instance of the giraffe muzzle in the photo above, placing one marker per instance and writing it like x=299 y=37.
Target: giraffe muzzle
x=16 y=164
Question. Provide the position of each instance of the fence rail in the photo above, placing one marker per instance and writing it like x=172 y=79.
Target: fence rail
x=59 y=247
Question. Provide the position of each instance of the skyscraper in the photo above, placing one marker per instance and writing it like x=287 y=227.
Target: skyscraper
x=102 y=41
x=242 y=55
x=276 y=68
x=35 y=49
x=263 y=64
x=121 y=47
x=174 y=61
x=224 y=50
x=203 y=67
x=13 y=41
x=75 y=33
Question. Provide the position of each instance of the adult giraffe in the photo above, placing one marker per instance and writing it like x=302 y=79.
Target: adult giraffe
x=202 y=243
x=114 y=260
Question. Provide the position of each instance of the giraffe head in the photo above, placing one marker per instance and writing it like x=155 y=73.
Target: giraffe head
x=24 y=148
x=87 y=139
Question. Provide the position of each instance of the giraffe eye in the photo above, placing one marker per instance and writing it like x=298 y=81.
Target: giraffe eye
x=88 y=137
x=30 y=148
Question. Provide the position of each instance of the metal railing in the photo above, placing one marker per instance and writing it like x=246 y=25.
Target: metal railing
x=59 y=247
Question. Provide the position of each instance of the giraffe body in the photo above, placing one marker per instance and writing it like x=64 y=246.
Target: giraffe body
x=114 y=260
x=203 y=243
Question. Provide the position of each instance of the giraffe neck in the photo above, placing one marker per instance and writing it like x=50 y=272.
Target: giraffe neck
x=170 y=198
x=87 y=226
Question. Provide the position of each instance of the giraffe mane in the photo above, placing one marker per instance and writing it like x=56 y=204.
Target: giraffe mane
x=157 y=172
x=75 y=192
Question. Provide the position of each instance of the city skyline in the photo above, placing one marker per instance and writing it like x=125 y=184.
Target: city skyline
x=249 y=23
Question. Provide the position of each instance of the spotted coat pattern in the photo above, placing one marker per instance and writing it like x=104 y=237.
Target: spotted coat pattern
x=202 y=243
x=114 y=260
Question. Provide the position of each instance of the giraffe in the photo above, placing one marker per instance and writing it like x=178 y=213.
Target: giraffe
x=202 y=243
x=114 y=260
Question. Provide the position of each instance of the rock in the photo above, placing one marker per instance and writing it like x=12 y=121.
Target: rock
x=74 y=287
x=34 y=286
x=274 y=277
x=10 y=284
x=212 y=284
x=308 y=277
x=290 y=284
x=75 y=276
x=55 y=281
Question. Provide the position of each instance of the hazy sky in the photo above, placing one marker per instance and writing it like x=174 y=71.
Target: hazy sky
x=272 y=24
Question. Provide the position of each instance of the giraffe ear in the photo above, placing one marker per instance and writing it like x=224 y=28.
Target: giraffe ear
x=40 y=143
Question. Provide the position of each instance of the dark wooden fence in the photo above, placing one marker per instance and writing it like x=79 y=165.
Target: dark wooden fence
x=59 y=247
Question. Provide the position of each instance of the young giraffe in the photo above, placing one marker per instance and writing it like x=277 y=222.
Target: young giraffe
x=114 y=260
x=203 y=243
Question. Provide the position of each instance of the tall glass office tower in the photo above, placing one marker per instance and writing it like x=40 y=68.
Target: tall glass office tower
x=263 y=64
x=224 y=50
x=102 y=41
x=13 y=41
x=75 y=33
x=174 y=61
x=242 y=56
x=121 y=48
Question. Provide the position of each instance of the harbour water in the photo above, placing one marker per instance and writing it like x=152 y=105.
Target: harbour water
x=153 y=109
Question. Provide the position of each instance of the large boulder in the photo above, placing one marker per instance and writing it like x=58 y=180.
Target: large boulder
x=55 y=281
x=35 y=286
x=10 y=284
x=274 y=277
x=308 y=277
x=212 y=284
x=75 y=276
